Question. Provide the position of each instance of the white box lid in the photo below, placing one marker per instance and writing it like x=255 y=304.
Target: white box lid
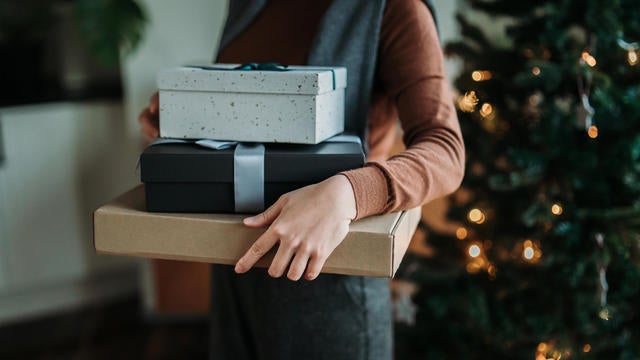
x=215 y=78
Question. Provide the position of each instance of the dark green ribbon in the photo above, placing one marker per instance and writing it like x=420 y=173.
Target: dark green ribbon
x=262 y=66
x=272 y=66
x=248 y=66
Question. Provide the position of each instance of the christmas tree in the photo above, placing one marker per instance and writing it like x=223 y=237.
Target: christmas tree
x=545 y=261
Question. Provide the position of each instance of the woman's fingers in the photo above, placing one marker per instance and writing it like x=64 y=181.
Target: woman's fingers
x=256 y=251
x=266 y=217
x=148 y=124
x=154 y=103
x=315 y=266
x=298 y=265
x=281 y=260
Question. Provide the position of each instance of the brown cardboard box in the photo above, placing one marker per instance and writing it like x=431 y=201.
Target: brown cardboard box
x=374 y=246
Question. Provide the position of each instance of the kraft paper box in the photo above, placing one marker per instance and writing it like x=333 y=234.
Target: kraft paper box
x=191 y=178
x=302 y=105
x=374 y=246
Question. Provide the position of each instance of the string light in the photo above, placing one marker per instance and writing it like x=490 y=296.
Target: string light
x=461 y=233
x=556 y=209
x=476 y=215
x=588 y=58
x=604 y=314
x=632 y=51
x=632 y=57
x=486 y=109
x=491 y=270
x=474 y=250
x=468 y=102
x=541 y=351
x=535 y=71
x=586 y=348
x=481 y=75
x=593 y=131
x=535 y=99
x=530 y=252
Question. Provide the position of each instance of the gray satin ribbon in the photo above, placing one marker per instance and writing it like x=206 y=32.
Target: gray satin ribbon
x=248 y=178
x=248 y=168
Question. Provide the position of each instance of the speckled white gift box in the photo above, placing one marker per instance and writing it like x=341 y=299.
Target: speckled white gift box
x=303 y=105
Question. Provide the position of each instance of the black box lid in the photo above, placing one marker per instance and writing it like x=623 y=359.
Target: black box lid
x=283 y=162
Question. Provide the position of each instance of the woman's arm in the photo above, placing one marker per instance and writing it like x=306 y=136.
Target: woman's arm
x=411 y=67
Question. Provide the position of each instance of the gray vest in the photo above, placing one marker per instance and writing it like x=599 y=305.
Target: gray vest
x=347 y=36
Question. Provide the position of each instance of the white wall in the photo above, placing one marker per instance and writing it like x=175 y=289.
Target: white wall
x=61 y=161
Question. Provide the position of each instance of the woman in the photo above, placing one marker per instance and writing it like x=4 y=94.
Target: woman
x=395 y=68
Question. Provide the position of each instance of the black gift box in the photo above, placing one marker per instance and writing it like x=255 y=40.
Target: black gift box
x=190 y=178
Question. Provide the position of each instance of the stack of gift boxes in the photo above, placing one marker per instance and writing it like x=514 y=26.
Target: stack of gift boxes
x=234 y=138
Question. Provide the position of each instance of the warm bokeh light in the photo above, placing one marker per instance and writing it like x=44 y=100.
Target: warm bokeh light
x=593 y=131
x=589 y=59
x=528 y=53
x=468 y=102
x=474 y=250
x=543 y=347
x=486 y=109
x=586 y=348
x=481 y=75
x=556 y=209
x=461 y=233
x=476 y=216
x=535 y=71
x=632 y=57
x=528 y=253
x=491 y=270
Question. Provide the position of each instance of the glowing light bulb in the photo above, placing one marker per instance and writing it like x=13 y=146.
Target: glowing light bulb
x=589 y=59
x=474 y=251
x=535 y=71
x=592 y=131
x=461 y=233
x=586 y=348
x=556 y=209
x=491 y=270
x=528 y=253
x=486 y=109
x=481 y=75
x=632 y=57
x=476 y=216
x=468 y=102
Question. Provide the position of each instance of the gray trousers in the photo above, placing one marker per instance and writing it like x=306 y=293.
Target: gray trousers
x=256 y=317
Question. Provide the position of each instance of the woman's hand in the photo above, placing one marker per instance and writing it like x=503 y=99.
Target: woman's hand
x=149 y=119
x=308 y=224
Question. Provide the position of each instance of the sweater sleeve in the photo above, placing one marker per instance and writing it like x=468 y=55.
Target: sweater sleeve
x=411 y=69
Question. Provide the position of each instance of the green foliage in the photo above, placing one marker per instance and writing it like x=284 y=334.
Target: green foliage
x=530 y=152
x=110 y=28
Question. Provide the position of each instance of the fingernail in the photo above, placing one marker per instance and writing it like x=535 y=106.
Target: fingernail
x=238 y=269
x=249 y=220
x=311 y=276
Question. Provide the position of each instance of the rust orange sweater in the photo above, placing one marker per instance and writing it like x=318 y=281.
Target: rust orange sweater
x=409 y=86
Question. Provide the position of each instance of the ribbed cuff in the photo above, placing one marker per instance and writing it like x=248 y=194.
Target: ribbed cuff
x=370 y=188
